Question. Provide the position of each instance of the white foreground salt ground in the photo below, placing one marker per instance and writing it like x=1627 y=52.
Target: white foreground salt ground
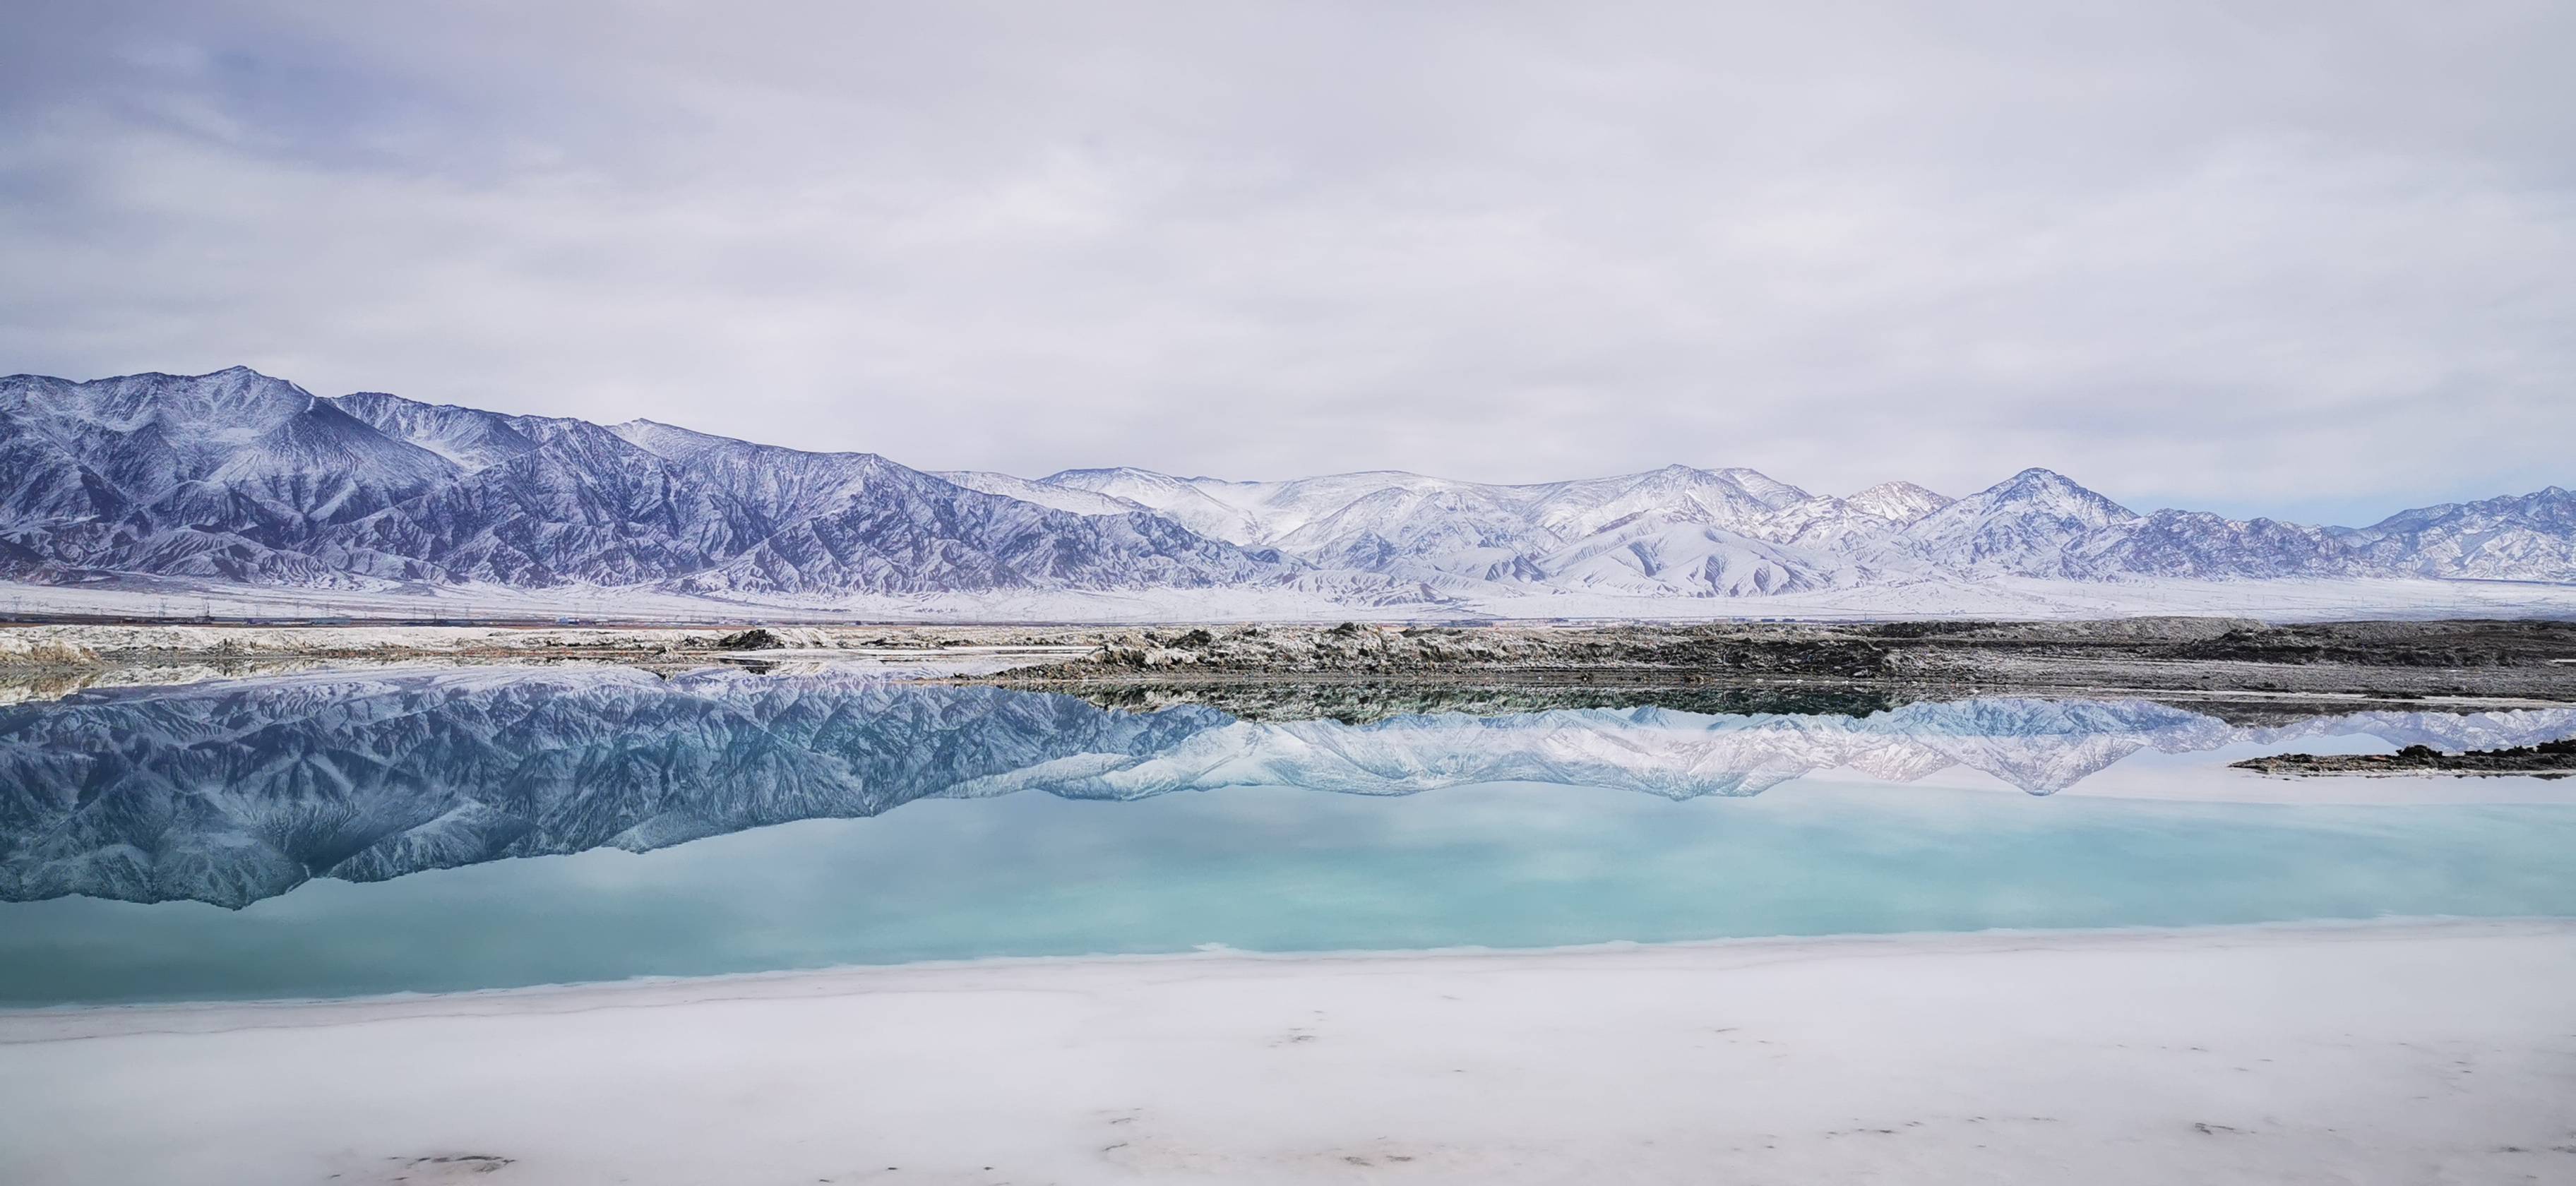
x=2423 y=1052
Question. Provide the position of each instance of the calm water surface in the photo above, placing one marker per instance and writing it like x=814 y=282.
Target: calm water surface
x=365 y=833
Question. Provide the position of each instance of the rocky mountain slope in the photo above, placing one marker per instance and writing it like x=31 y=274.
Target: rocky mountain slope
x=236 y=476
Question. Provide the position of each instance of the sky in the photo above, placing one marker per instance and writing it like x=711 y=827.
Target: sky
x=2313 y=260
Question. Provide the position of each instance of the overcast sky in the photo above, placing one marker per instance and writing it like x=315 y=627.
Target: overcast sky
x=2311 y=260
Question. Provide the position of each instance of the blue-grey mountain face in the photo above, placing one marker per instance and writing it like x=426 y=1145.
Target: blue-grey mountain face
x=232 y=475
x=242 y=477
x=2499 y=537
x=236 y=476
x=233 y=792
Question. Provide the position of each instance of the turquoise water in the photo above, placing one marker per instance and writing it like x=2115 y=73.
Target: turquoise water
x=271 y=797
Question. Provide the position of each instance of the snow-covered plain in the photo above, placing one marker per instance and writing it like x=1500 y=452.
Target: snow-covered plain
x=2379 y=1053
x=2003 y=598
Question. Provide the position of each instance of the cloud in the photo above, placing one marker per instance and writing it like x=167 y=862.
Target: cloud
x=2309 y=261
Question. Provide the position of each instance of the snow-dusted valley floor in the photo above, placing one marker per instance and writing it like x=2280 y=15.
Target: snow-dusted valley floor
x=2018 y=598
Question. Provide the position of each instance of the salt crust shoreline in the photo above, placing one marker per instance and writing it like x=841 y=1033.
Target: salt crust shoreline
x=2440 y=1051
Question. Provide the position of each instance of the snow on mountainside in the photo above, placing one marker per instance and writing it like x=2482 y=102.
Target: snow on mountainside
x=2501 y=538
x=1062 y=498
x=1861 y=523
x=239 y=477
x=468 y=439
x=1462 y=529
x=232 y=475
x=1898 y=503
x=1275 y=509
x=1655 y=557
x=1735 y=532
x=2030 y=524
x=1769 y=491
x=1676 y=493
x=2197 y=545
x=1173 y=498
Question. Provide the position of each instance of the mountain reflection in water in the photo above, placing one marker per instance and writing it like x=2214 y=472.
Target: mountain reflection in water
x=237 y=791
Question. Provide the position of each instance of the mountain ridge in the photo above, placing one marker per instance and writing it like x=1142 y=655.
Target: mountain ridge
x=243 y=477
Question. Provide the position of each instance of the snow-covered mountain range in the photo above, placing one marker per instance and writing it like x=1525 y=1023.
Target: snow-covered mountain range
x=239 y=477
x=234 y=791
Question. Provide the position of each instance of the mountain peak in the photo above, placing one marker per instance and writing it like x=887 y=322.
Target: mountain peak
x=1898 y=502
x=2039 y=475
x=1899 y=489
x=2033 y=523
x=2039 y=484
x=1765 y=489
x=1105 y=473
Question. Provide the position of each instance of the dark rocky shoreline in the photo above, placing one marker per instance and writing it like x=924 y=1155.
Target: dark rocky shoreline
x=2555 y=759
x=2198 y=657
x=2245 y=670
